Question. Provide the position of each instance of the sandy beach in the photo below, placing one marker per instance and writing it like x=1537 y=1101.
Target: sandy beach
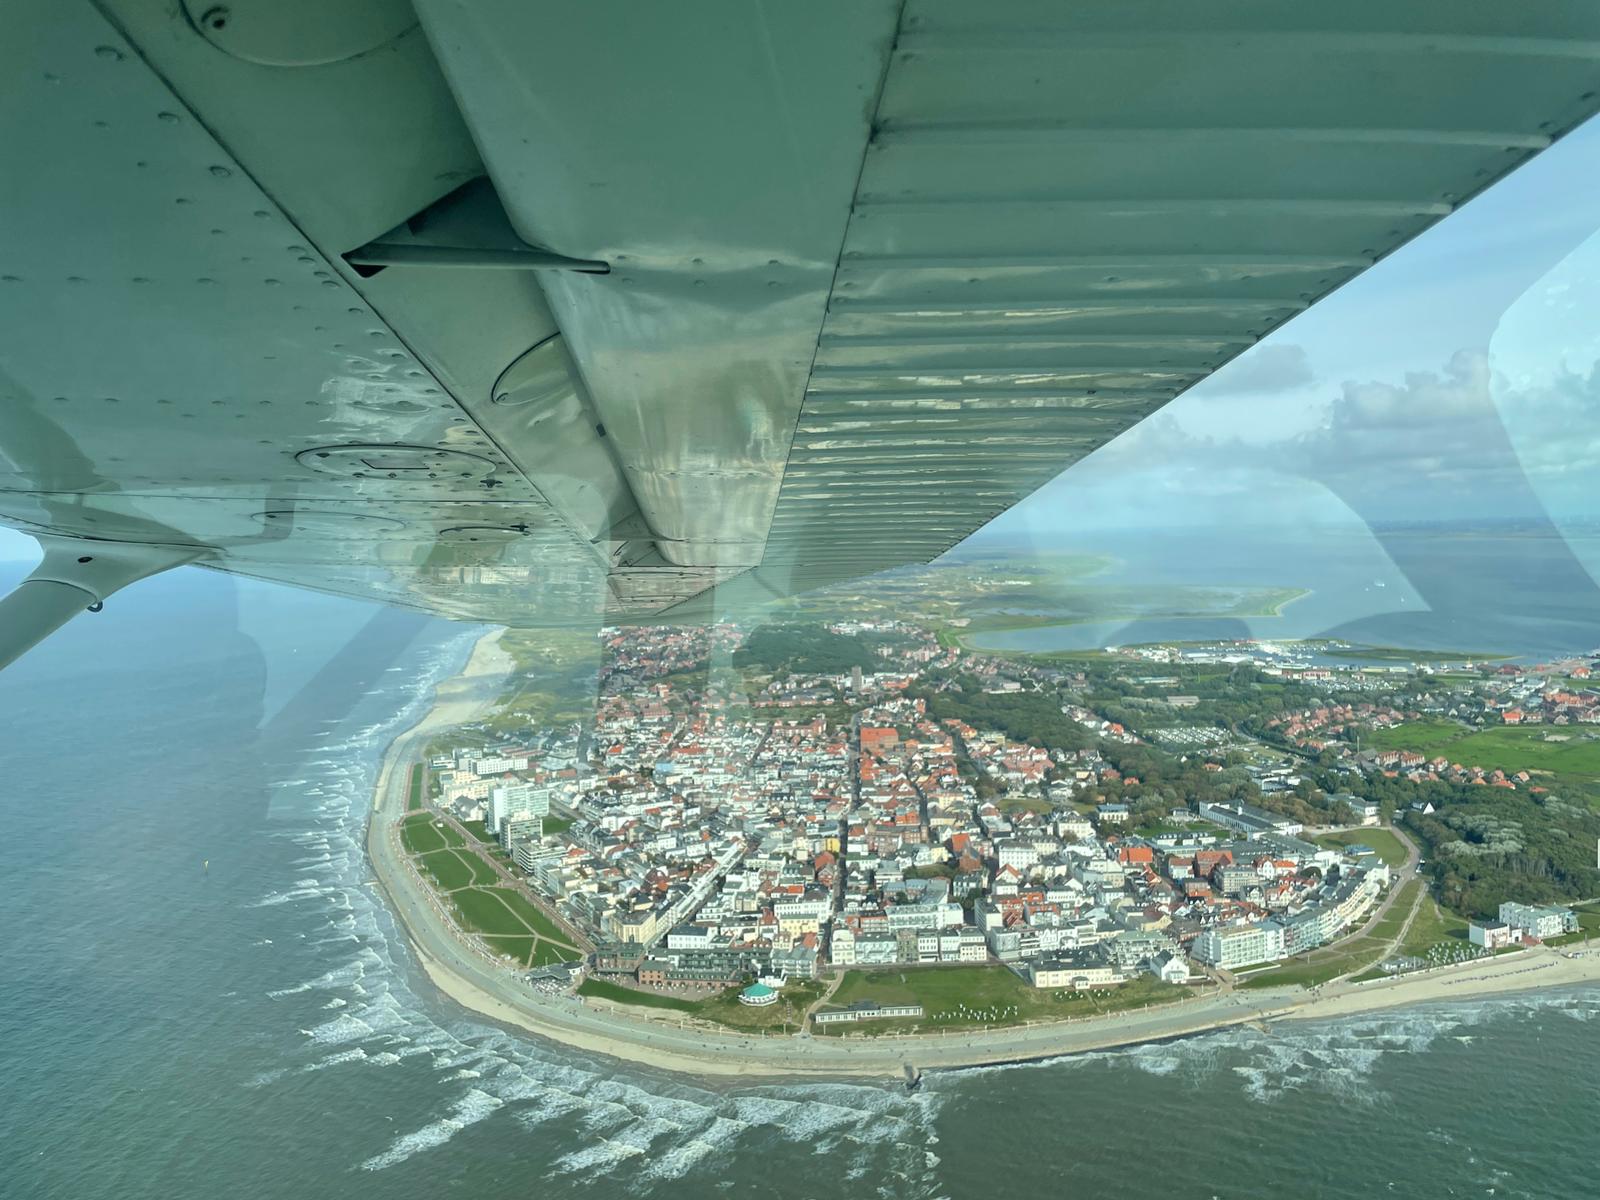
x=478 y=983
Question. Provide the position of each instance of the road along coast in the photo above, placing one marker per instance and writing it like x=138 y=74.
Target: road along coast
x=482 y=985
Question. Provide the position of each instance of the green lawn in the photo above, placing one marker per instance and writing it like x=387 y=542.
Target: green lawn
x=486 y=911
x=482 y=872
x=1508 y=747
x=546 y=953
x=532 y=917
x=1387 y=845
x=511 y=925
x=723 y=1008
x=1320 y=965
x=1428 y=737
x=421 y=836
x=1433 y=926
x=793 y=1001
x=447 y=869
x=516 y=947
x=1402 y=655
x=988 y=994
x=1388 y=928
x=602 y=989
x=414 y=789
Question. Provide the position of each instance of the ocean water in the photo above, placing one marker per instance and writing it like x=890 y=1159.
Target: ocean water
x=1529 y=596
x=201 y=996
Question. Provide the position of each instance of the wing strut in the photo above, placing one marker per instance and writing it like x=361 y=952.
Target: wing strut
x=76 y=575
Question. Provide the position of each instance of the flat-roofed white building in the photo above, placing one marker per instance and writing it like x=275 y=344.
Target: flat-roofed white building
x=1232 y=946
x=516 y=799
x=1538 y=920
x=1491 y=935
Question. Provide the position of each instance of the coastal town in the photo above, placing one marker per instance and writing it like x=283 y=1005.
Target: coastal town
x=868 y=825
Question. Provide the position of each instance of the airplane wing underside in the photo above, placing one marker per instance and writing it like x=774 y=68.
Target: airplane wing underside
x=529 y=313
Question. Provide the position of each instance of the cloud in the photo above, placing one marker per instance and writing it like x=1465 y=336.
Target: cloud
x=1459 y=441
x=1280 y=367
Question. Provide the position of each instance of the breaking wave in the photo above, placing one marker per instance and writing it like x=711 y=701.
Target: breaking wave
x=356 y=1010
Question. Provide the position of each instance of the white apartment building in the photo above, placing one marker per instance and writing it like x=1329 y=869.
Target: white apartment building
x=1013 y=852
x=1232 y=946
x=1538 y=921
x=517 y=799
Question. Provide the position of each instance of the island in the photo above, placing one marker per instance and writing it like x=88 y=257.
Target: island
x=850 y=843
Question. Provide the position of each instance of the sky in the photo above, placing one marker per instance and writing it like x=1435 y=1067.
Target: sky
x=1455 y=380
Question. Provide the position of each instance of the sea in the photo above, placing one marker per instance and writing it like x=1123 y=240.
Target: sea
x=1524 y=596
x=203 y=996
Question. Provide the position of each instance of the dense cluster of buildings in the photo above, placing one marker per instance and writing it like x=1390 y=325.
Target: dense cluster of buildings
x=697 y=838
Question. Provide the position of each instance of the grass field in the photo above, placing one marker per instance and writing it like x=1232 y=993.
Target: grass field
x=1011 y=803
x=511 y=925
x=602 y=989
x=421 y=832
x=447 y=868
x=1508 y=747
x=419 y=835
x=512 y=947
x=969 y=997
x=1434 y=925
x=1402 y=655
x=1388 y=928
x=485 y=910
x=1428 y=737
x=1383 y=841
x=419 y=772
x=795 y=998
x=532 y=917
x=482 y=872
x=531 y=951
x=1319 y=966
x=723 y=1008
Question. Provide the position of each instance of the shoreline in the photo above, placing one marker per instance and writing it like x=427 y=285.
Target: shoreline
x=488 y=989
x=1044 y=622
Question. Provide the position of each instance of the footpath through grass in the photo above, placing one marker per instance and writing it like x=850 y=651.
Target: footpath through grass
x=453 y=869
x=974 y=997
x=507 y=921
x=1434 y=926
x=1354 y=956
x=722 y=1009
x=419 y=772
x=1319 y=966
x=421 y=832
x=1388 y=928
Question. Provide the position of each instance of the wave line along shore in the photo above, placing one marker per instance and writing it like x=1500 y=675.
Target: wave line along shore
x=496 y=993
